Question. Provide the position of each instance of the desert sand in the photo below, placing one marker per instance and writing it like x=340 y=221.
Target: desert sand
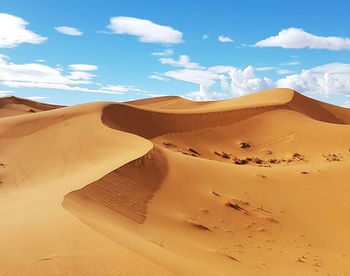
x=256 y=185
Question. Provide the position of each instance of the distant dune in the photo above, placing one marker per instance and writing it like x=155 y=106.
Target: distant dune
x=257 y=185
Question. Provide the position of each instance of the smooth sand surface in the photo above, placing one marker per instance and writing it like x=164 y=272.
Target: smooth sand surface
x=257 y=185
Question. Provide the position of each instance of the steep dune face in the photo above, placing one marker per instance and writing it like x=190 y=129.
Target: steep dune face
x=251 y=186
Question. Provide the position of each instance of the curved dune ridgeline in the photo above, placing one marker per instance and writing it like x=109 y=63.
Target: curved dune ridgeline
x=256 y=185
x=150 y=123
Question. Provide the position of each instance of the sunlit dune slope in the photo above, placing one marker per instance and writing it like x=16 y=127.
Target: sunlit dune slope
x=11 y=106
x=257 y=185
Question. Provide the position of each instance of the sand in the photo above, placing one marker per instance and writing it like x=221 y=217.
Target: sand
x=257 y=185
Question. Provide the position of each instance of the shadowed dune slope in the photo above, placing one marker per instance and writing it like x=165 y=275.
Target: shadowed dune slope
x=257 y=185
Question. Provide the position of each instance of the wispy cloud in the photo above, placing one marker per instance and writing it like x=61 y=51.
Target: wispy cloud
x=43 y=76
x=68 y=31
x=184 y=61
x=291 y=63
x=83 y=67
x=267 y=68
x=37 y=98
x=145 y=30
x=166 y=52
x=224 y=39
x=298 y=38
x=157 y=77
x=284 y=72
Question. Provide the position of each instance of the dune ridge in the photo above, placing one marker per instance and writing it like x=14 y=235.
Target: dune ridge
x=160 y=184
x=11 y=106
x=151 y=123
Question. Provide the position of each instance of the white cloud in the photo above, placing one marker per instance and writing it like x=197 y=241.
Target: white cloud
x=224 y=39
x=284 y=71
x=81 y=76
x=83 y=67
x=229 y=78
x=166 y=52
x=58 y=86
x=157 y=77
x=263 y=69
x=333 y=68
x=202 y=77
x=68 y=31
x=205 y=36
x=184 y=61
x=327 y=79
x=245 y=81
x=145 y=30
x=13 y=32
x=43 y=76
x=40 y=60
x=347 y=104
x=4 y=93
x=122 y=88
x=37 y=98
x=291 y=63
x=333 y=78
x=3 y=58
x=204 y=94
x=298 y=38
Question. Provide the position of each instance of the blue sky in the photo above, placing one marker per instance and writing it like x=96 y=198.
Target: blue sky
x=125 y=50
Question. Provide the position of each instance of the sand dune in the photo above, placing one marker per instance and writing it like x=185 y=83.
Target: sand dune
x=256 y=185
x=11 y=106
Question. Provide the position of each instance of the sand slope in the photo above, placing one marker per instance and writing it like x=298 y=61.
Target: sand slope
x=11 y=106
x=164 y=186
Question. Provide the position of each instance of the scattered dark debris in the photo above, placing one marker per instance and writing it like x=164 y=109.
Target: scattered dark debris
x=159 y=243
x=274 y=161
x=168 y=144
x=331 y=157
x=304 y=172
x=244 y=145
x=300 y=260
x=194 y=151
x=273 y=220
x=258 y=160
x=264 y=210
x=31 y=110
x=45 y=259
x=298 y=156
x=268 y=152
x=225 y=155
x=186 y=153
x=215 y=193
x=200 y=226
x=261 y=175
x=222 y=154
x=241 y=161
x=236 y=206
x=232 y=258
x=2 y=165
